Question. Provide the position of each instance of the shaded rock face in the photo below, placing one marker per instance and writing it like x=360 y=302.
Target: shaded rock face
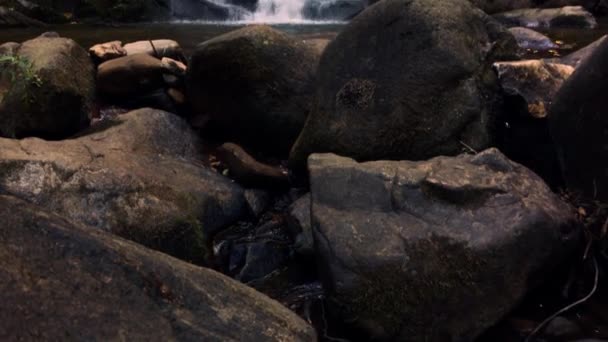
x=255 y=85
x=569 y=16
x=577 y=57
x=523 y=132
x=60 y=279
x=53 y=90
x=406 y=247
x=405 y=79
x=130 y=75
x=578 y=125
x=532 y=40
x=138 y=177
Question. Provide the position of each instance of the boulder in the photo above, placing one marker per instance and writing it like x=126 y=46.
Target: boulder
x=577 y=57
x=64 y=281
x=496 y=6
x=107 y=51
x=53 y=91
x=523 y=131
x=578 y=126
x=137 y=176
x=248 y=171
x=298 y=220
x=405 y=248
x=9 y=49
x=158 y=48
x=272 y=76
x=405 y=80
x=130 y=75
x=534 y=81
x=333 y=9
x=531 y=40
x=568 y=16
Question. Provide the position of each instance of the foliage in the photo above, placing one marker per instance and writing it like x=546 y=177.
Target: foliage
x=20 y=73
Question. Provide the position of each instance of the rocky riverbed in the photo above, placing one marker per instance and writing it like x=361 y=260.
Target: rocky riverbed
x=427 y=172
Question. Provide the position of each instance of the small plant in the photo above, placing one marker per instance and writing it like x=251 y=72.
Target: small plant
x=20 y=73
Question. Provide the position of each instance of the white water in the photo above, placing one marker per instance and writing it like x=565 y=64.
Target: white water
x=278 y=11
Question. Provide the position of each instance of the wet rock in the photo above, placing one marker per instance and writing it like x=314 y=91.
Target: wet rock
x=270 y=73
x=130 y=75
x=158 y=48
x=496 y=6
x=9 y=48
x=534 y=81
x=318 y=44
x=299 y=224
x=12 y=18
x=333 y=9
x=248 y=171
x=532 y=40
x=372 y=105
x=523 y=132
x=578 y=126
x=576 y=58
x=257 y=200
x=158 y=99
x=107 y=51
x=137 y=176
x=569 y=16
x=53 y=91
x=61 y=279
x=470 y=233
x=561 y=327
x=177 y=96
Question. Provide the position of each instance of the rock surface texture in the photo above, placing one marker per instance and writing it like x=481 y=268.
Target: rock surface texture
x=47 y=90
x=406 y=247
x=61 y=281
x=405 y=80
x=255 y=85
x=579 y=125
x=137 y=176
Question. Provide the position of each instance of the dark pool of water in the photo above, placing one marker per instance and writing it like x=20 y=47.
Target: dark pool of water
x=188 y=35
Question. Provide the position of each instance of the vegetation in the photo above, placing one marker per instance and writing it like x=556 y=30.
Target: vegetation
x=20 y=74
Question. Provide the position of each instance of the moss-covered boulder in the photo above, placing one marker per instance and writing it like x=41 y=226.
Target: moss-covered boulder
x=47 y=88
x=61 y=281
x=405 y=80
x=253 y=86
x=437 y=250
x=136 y=176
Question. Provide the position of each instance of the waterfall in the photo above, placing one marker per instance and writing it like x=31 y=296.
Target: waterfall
x=278 y=11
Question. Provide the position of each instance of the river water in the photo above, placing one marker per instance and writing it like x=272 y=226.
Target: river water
x=187 y=34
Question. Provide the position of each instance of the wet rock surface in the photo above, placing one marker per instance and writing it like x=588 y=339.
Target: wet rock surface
x=271 y=75
x=578 y=126
x=46 y=89
x=394 y=239
x=60 y=279
x=530 y=88
x=371 y=105
x=137 y=176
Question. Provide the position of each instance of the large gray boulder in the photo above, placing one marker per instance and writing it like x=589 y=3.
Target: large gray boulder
x=140 y=177
x=405 y=79
x=578 y=125
x=254 y=86
x=61 y=281
x=46 y=90
x=436 y=250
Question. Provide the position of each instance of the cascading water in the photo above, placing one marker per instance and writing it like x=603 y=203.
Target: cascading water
x=265 y=11
x=282 y=11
